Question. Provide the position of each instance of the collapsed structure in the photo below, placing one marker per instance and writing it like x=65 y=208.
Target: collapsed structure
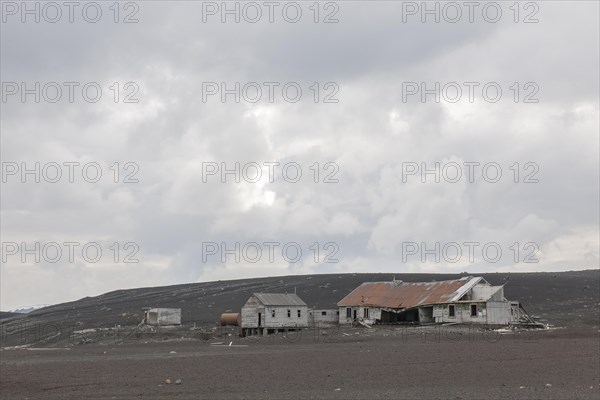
x=467 y=300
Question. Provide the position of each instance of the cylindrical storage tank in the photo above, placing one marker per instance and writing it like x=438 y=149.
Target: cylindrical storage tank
x=231 y=319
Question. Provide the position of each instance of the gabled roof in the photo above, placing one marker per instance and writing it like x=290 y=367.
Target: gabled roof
x=398 y=294
x=472 y=281
x=279 y=299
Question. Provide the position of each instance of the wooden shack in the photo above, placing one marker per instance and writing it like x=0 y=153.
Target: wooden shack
x=266 y=313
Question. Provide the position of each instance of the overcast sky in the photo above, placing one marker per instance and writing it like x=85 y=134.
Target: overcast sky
x=370 y=210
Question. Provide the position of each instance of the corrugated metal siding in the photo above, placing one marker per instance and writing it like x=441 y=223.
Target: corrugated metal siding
x=250 y=312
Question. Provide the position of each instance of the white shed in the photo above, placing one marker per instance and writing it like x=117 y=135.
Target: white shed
x=163 y=316
x=323 y=317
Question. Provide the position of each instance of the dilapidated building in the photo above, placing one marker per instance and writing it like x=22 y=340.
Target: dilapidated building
x=465 y=300
x=266 y=313
x=162 y=316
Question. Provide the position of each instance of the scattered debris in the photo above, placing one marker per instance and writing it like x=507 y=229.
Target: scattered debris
x=178 y=382
x=46 y=348
x=363 y=324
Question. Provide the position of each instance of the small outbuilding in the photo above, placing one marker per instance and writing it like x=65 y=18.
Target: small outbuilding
x=162 y=316
x=266 y=313
x=323 y=317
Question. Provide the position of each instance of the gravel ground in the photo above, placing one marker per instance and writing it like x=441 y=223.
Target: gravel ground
x=353 y=364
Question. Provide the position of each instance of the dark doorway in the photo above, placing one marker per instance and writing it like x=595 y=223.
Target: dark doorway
x=410 y=316
x=473 y=310
x=355 y=315
x=259 y=319
x=388 y=317
x=426 y=315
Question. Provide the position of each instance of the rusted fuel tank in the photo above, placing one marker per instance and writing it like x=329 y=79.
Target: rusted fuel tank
x=231 y=319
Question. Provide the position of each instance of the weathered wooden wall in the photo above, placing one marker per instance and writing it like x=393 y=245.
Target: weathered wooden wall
x=498 y=312
x=250 y=312
x=273 y=316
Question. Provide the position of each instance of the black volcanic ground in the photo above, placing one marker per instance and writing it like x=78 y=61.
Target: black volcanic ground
x=566 y=299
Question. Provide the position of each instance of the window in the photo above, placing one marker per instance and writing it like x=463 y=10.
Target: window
x=299 y=313
x=323 y=312
x=451 y=312
x=348 y=312
x=289 y=313
x=273 y=313
x=366 y=313
x=473 y=310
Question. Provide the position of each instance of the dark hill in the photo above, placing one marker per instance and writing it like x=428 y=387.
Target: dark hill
x=6 y=314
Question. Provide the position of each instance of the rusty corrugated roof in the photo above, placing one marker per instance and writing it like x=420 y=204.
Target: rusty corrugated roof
x=399 y=294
